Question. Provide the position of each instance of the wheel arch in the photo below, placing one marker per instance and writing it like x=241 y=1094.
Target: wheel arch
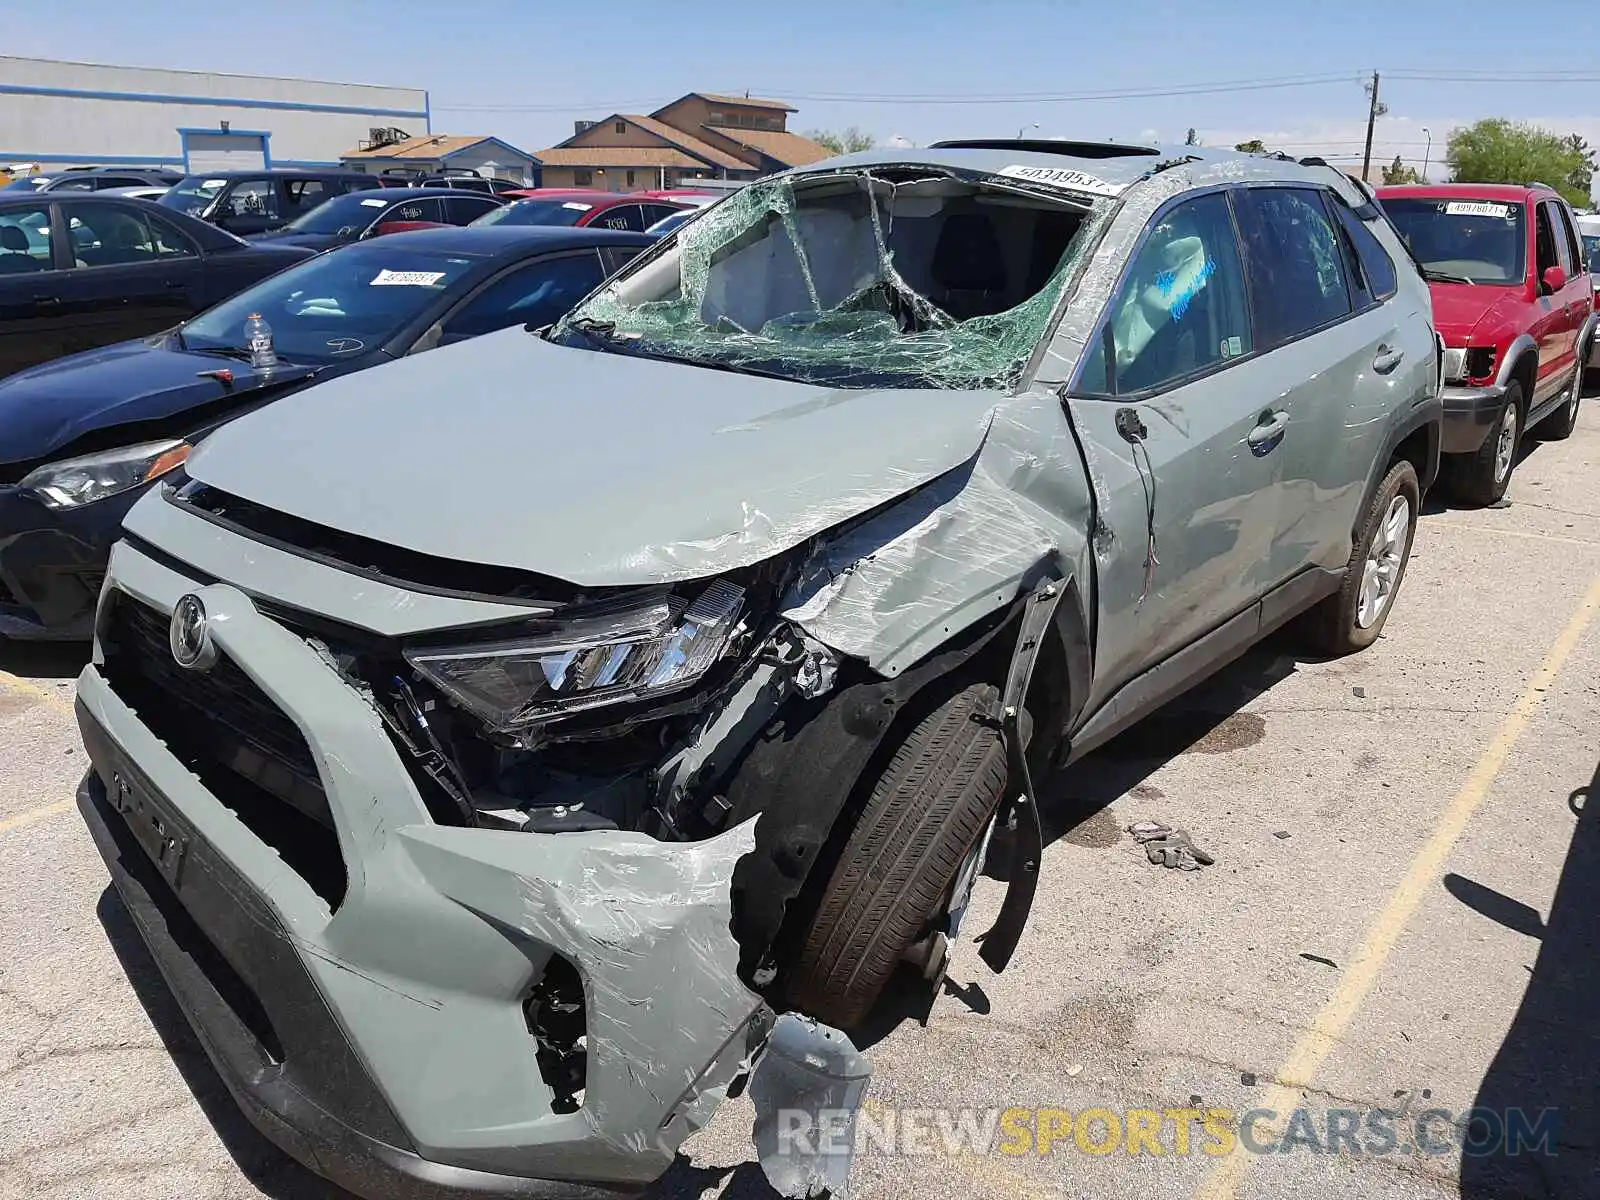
x=810 y=769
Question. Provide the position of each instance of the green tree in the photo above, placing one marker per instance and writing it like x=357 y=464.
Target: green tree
x=1398 y=172
x=1496 y=150
x=843 y=141
x=1253 y=146
x=1582 y=177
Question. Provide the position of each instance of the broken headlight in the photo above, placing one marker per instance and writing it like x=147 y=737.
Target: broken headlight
x=630 y=652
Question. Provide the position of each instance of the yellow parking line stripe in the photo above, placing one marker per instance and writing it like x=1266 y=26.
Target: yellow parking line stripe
x=16 y=683
x=1314 y=1047
x=22 y=820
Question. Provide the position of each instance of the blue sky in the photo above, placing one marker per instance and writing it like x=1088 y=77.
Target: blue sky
x=480 y=59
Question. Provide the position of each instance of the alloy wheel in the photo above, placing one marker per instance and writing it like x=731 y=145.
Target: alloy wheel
x=1385 y=557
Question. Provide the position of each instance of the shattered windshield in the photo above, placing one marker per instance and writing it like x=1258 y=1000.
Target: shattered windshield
x=887 y=277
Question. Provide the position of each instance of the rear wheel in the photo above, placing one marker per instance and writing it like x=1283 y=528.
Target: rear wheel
x=1351 y=618
x=896 y=874
x=1558 y=426
x=1482 y=478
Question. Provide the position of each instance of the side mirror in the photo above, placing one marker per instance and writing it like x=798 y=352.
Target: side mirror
x=1555 y=278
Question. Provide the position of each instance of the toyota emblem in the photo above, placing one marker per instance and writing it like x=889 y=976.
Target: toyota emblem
x=189 y=636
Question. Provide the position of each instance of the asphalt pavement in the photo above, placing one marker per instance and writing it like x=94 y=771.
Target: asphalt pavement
x=1399 y=929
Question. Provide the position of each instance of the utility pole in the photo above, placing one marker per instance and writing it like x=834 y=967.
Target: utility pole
x=1372 y=120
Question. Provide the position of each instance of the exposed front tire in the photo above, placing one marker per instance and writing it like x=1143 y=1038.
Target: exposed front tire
x=1351 y=618
x=1482 y=477
x=926 y=812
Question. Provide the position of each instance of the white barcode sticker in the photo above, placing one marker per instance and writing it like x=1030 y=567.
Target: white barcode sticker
x=1062 y=177
x=375 y=204
x=576 y=205
x=387 y=278
x=1476 y=208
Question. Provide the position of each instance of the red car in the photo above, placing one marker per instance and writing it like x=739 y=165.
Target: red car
x=1515 y=304
x=578 y=206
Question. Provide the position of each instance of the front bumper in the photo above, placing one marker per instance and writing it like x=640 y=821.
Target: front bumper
x=1469 y=414
x=52 y=562
x=381 y=1037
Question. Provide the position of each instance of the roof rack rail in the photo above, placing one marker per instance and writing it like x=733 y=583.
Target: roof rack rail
x=1062 y=146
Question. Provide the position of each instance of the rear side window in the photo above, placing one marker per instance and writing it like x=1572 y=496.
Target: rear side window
x=1372 y=262
x=1297 y=275
x=623 y=216
x=305 y=194
x=1574 y=252
x=535 y=295
x=1181 y=309
x=463 y=210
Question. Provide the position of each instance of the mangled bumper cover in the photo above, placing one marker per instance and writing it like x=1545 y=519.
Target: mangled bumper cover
x=385 y=1043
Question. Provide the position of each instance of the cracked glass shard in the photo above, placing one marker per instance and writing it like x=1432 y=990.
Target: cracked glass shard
x=807 y=1089
x=884 y=277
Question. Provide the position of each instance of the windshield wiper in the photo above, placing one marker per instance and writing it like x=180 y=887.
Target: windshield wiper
x=596 y=333
x=1443 y=276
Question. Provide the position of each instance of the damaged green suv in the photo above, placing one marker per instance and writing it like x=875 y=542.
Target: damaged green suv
x=490 y=768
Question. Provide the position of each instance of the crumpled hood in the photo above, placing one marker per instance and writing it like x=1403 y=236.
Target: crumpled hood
x=1460 y=309
x=51 y=405
x=589 y=466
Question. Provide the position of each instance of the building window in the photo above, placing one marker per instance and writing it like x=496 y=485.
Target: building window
x=582 y=178
x=716 y=118
x=621 y=127
x=630 y=178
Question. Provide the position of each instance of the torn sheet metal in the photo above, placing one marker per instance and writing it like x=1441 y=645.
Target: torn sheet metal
x=894 y=587
x=647 y=925
x=807 y=1090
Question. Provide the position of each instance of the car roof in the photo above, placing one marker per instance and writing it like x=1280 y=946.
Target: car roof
x=267 y=172
x=405 y=195
x=490 y=240
x=1118 y=164
x=596 y=199
x=1475 y=191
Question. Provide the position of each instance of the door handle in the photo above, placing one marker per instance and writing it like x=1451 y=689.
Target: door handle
x=1267 y=433
x=47 y=301
x=1387 y=360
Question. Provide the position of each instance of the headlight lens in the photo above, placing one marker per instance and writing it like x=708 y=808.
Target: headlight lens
x=645 y=649
x=1455 y=364
x=74 y=482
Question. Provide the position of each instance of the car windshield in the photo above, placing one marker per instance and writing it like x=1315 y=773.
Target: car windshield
x=334 y=306
x=1463 y=240
x=192 y=194
x=1591 y=250
x=864 y=279
x=536 y=212
x=347 y=214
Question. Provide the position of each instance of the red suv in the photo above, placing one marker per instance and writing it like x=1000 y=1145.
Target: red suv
x=1513 y=300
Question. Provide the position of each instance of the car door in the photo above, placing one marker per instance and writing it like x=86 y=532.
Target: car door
x=1337 y=352
x=125 y=281
x=536 y=294
x=250 y=206
x=1168 y=406
x=1576 y=297
x=32 y=323
x=1550 y=320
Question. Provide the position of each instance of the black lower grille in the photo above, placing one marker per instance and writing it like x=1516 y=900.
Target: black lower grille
x=230 y=733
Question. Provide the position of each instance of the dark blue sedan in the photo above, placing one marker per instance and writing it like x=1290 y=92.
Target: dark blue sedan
x=83 y=437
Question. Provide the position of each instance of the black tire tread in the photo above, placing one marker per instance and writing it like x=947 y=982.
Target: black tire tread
x=1471 y=476
x=1330 y=625
x=925 y=812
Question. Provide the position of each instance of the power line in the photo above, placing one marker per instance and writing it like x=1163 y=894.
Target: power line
x=1411 y=74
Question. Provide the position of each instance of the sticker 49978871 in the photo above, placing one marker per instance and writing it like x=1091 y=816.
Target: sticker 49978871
x=1476 y=208
x=1063 y=177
